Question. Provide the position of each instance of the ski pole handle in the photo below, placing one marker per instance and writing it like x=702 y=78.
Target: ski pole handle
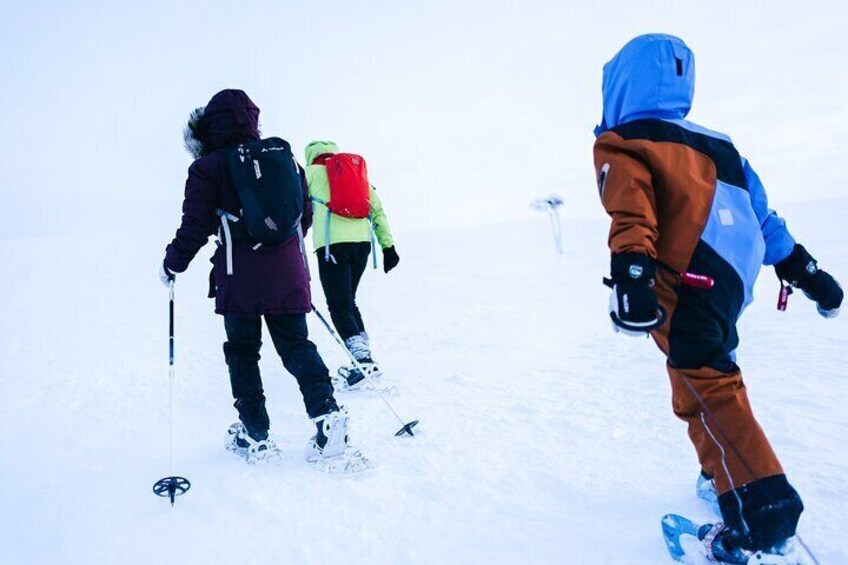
x=171 y=325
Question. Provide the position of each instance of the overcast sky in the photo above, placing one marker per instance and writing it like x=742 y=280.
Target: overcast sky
x=465 y=111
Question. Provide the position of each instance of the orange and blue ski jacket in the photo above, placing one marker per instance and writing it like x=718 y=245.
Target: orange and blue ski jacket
x=679 y=192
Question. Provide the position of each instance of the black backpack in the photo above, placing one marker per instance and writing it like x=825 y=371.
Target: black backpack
x=267 y=181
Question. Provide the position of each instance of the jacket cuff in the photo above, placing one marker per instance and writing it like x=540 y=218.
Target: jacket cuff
x=171 y=262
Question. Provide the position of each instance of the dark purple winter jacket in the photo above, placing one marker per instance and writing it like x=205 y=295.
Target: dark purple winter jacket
x=269 y=280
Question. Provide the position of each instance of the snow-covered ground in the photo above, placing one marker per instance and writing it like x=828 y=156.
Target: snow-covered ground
x=544 y=437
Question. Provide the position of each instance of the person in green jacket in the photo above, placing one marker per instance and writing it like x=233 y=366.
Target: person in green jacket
x=343 y=245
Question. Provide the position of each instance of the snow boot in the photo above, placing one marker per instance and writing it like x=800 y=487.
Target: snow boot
x=329 y=449
x=351 y=378
x=253 y=450
x=706 y=490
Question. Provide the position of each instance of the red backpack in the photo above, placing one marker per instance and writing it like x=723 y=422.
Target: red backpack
x=350 y=191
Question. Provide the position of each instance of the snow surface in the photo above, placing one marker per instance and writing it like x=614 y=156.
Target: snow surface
x=545 y=438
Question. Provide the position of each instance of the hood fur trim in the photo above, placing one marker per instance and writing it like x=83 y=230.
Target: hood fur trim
x=190 y=134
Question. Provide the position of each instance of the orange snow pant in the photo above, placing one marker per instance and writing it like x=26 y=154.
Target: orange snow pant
x=725 y=429
x=712 y=400
x=755 y=498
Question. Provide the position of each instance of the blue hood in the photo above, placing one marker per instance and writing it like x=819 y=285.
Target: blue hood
x=653 y=76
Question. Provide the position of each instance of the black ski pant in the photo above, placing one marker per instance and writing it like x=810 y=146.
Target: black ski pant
x=340 y=279
x=300 y=358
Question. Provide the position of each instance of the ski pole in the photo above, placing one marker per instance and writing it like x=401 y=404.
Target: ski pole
x=171 y=486
x=407 y=427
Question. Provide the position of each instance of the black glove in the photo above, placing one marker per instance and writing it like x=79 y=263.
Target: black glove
x=633 y=305
x=801 y=271
x=390 y=259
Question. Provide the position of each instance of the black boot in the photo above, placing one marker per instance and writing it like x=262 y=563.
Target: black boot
x=253 y=450
x=246 y=384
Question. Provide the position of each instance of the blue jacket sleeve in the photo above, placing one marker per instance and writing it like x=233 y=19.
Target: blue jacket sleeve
x=779 y=242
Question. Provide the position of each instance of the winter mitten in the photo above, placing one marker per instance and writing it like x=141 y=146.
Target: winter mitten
x=801 y=271
x=390 y=258
x=166 y=275
x=633 y=305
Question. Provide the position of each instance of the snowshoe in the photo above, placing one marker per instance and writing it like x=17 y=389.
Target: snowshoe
x=351 y=379
x=707 y=544
x=706 y=490
x=348 y=379
x=254 y=451
x=329 y=450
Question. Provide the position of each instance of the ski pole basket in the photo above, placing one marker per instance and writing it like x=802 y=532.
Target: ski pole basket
x=171 y=487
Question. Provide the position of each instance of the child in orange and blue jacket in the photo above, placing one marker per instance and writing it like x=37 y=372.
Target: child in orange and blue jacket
x=690 y=230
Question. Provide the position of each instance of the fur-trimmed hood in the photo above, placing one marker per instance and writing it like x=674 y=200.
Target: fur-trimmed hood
x=228 y=119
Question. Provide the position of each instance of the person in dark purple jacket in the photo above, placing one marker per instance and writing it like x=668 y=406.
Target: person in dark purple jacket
x=269 y=282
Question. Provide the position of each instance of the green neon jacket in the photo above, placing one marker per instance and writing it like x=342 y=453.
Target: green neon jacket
x=342 y=230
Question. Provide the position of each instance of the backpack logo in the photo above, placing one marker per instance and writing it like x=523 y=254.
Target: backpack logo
x=271 y=224
x=256 y=169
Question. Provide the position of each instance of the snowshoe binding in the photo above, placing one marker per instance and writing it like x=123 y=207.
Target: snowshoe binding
x=711 y=544
x=329 y=450
x=351 y=379
x=254 y=451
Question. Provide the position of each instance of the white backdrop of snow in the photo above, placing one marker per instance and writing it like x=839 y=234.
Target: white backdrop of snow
x=544 y=437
